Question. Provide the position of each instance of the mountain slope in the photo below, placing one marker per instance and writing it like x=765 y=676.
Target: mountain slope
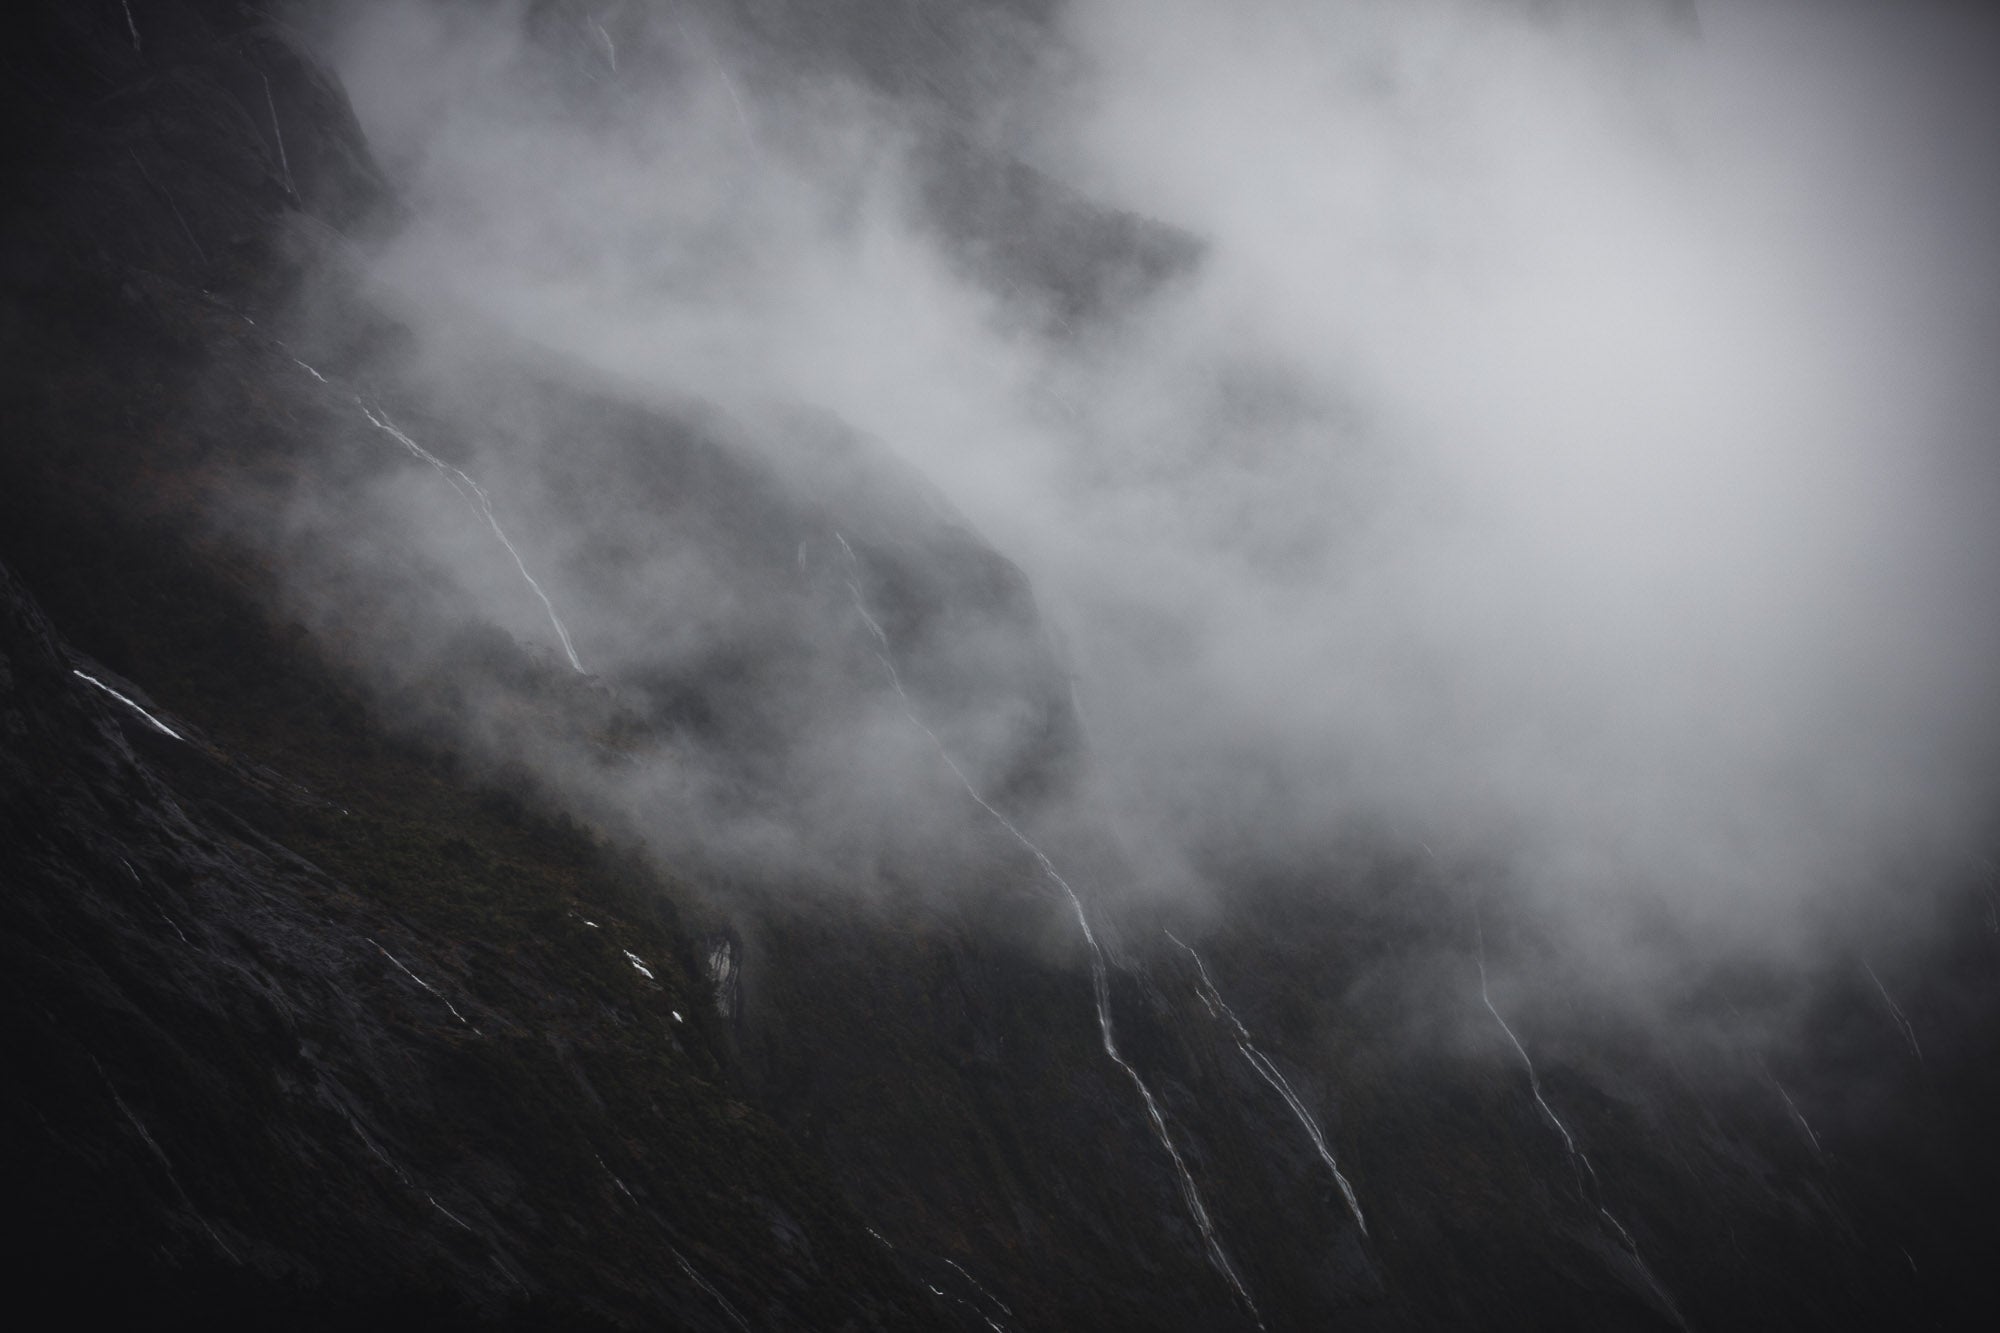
x=348 y=977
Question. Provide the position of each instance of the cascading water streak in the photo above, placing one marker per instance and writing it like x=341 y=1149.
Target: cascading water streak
x=1099 y=975
x=1645 y=1269
x=1576 y=1157
x=975 y=1284
x=1799 y=1116
x=450 y=1216
x=1903 y=1024
x=172 y=207
x=943 y=1295
x=728 y=84
x=156 y=724
x=1579 y=1162
x=166 y=1163
x=708 y=1288
x=474 y=494
x=1257 y=1060
x=426 y=985
x=284 y=162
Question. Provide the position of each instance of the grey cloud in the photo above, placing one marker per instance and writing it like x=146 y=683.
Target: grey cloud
x=1545 y=446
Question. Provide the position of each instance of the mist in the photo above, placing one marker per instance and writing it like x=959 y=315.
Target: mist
x=1559 y=441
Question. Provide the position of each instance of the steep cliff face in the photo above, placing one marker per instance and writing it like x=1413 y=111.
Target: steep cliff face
x=280 y=984
x=250 y=1090
x=324 y=1005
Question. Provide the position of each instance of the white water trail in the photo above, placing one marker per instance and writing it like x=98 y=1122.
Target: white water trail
x=284 y=162
x=728 y=83
x=610 y=47
x=974 y=1283
x=1579 y=1162
x=638 y=964
x=735 y=1316
x=455 y=1218
x=166 y=1163
x=722 y=976
x=163 y=916
x=475 y=494
x=157 y=725
x=132 y=27
x=1903 y=1024
x=622 y=1189
x=426 y=985
x=942 y=1294
x=368 y=1139
x=709 y=1288
x=1645 y=1269
x=1268 y=1071
x=1099 y=977
x=1797 y=1114
x=1576 y=1156
x=175 y=208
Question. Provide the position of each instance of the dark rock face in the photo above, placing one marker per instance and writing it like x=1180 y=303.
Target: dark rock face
x=319 y=1012
x=248 y=1088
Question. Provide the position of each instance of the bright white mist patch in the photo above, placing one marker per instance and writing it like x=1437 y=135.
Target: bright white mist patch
x=1551 y=457
x=1630 y=482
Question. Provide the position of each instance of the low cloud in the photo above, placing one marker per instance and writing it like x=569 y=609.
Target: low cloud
x=1564 y=444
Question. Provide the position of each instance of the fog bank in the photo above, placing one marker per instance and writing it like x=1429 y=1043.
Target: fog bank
x=1567 y=445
